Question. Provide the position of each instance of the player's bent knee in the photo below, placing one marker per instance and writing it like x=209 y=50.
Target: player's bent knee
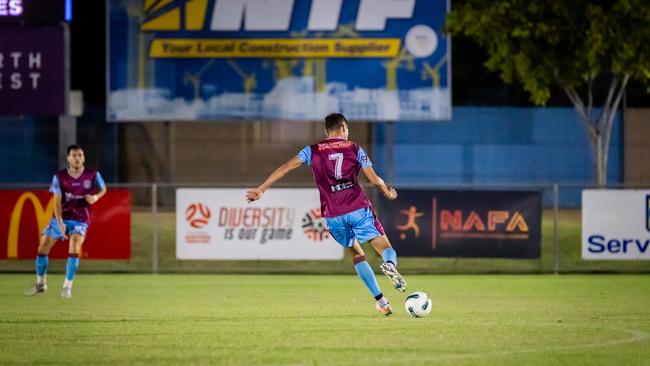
x=380 y=242
x=76 y=241
x=46 y=244
x=358 y=259
x=356 y=250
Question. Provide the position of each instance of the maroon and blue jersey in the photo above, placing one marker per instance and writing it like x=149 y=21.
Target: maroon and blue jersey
x=335 y=163
x=73 y=192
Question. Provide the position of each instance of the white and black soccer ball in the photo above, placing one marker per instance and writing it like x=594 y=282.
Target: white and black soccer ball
x=418 y=304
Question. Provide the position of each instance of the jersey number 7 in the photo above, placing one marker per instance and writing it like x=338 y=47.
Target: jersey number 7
x=339 y=164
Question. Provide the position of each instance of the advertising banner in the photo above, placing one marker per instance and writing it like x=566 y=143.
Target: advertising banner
x=377 y=60
x=615 y=224
x=32 y=70
x=24 y=215
x=35 y=11
x=479 y=224
x=284 y=224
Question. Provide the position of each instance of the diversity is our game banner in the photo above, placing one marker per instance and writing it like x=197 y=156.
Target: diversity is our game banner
x=378 y=60
x=479 y=224
x=284 y=224
x=24 y=215
x=615 y=224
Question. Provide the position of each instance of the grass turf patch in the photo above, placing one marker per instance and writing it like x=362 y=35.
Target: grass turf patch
x=326 y=320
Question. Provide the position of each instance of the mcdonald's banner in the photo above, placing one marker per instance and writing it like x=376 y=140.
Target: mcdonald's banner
x=210 y=60
x=475 y=224
x=24 y=214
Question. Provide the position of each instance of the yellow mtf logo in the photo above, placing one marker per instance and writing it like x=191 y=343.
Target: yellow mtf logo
x=165 y=15
x=267 y=15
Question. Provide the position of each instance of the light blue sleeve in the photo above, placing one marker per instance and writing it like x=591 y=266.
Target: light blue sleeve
x=363 y=158
x=55 y=187
x=305 y=155
x=99 y=181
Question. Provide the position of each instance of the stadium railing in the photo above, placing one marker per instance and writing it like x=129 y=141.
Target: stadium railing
x=153 y=238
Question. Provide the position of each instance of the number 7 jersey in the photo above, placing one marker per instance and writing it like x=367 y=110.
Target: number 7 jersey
x=335 y=163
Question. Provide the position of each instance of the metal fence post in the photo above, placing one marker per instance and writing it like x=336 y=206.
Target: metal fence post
x=154 y=226
x=556 y=218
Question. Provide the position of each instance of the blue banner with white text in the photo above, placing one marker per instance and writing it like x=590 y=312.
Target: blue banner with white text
x=210 y=60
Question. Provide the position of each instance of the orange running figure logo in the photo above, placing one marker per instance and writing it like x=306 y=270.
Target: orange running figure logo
x=411 y=214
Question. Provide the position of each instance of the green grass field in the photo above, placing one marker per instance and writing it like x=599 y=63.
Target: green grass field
x=127 y=319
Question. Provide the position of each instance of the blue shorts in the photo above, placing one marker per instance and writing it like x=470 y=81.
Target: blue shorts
x=71 y=227
x=361 y=225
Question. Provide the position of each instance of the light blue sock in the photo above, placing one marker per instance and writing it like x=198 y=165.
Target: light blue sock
x=367 y=275
x=390 y=255
x=41 y=265
x=71 y=267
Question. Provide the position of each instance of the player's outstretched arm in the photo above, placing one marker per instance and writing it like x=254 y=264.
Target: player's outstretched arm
x=281 y=171
x=389 y=192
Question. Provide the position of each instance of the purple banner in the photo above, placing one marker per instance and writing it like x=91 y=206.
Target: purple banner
x=35 y=11
x=464 y=224
x=32 y=70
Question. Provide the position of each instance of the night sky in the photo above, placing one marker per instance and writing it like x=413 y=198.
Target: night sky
x=472 y=84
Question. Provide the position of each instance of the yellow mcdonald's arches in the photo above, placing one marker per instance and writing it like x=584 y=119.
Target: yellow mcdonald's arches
x=42 y=217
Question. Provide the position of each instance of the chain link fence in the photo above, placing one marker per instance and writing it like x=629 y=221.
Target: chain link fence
x=153 y=240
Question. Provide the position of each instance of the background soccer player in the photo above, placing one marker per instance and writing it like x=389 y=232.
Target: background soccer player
x=75 y=189
x=350 y=218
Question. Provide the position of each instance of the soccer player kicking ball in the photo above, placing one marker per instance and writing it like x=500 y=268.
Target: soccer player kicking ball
x=74 y=189
x=350 y=217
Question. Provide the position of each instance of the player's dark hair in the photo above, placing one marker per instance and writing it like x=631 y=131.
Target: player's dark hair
x=334 y=121
x=72 y=147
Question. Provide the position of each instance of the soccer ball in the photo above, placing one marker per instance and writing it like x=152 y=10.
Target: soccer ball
x=418 y=304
